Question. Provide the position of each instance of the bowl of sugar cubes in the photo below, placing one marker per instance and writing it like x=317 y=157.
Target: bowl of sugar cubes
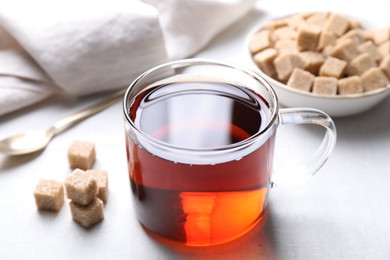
x=323 y=60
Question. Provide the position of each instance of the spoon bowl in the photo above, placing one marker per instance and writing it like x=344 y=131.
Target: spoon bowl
x=25 y=143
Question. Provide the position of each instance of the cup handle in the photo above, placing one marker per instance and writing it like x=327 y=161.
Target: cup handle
x=302 y=171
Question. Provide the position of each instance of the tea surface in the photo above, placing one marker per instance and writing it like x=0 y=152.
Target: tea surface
x=199 y=114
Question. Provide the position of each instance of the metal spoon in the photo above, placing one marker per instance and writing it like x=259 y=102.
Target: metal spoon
x=25 y=143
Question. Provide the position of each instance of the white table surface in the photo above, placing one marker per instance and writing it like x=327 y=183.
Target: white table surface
x=341 y=213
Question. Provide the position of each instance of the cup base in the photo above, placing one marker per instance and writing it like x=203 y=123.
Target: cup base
x=212 y=242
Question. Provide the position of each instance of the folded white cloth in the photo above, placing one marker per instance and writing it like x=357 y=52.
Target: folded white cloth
x=83 y=47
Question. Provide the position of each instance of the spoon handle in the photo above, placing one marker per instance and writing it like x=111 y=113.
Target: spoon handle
x=75 y=118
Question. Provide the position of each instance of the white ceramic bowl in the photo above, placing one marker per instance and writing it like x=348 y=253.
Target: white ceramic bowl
x=336 y=106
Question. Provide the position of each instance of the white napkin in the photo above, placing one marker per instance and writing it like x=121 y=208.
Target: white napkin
x=83 y=47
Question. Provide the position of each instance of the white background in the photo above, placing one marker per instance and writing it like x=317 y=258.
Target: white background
x=341 y=213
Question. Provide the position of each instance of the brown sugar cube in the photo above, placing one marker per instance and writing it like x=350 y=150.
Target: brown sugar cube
x=345 y=50
x=307 y=37
x=379 y=36
x=356 y=34
x=374 y=78
x=306 y=14
x=337 y=24
x=327 y=50
x=325 y=86
x=350 y=85
x=286 y=46
x=317 y=19
x=81 y=154
x=285 y=32
x=333 y=67
x=273 y=25
x=384 y=49
x=80 y=187
x=326 y=38
x=301 y=80
x=49 y=195
x=260 y=41
x=295 y=21
x=265 y=61
x=284 y=65
x=371 y=49
x=312 y=60
x=101 y=179
x=87 y=215
x=354 y=24
x=360 y=64
x=385 y=65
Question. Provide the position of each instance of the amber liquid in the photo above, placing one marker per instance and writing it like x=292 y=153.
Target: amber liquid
x=199 y=204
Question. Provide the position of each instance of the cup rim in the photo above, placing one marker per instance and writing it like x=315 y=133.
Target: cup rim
x=204 y=61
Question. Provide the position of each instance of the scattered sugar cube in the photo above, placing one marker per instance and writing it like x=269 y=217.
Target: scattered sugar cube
x=337 y=24
x=265 y=61
x=285 y=63
x=301 y=80
x=87 y=215
x=312 y=60
x=81 y=187
x=333 y=67
x=345 y=50
x=374 y=78
x=260 y=41
x=385 y=65
x=350 y=85
x=360 y=64
x=371 y=49
x=49 y=195
x=307 y=37
x=379 y=36
x=81 y=154
x=325 y=86
x=101 y=179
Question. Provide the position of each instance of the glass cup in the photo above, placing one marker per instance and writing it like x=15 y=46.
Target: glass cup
x=200 y=140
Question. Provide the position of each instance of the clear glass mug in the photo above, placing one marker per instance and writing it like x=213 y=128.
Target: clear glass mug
x=200 y=140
